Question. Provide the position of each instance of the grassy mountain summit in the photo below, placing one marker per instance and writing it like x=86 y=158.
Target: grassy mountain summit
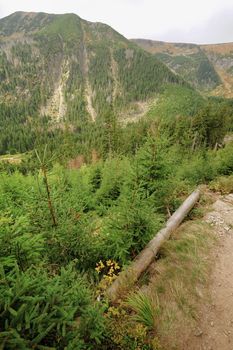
x=24 y=22
x=64 y=68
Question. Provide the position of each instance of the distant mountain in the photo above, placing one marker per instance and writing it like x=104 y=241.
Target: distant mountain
x=62 y=69
x=209 y=68
x=221 y=56
x=73 y=63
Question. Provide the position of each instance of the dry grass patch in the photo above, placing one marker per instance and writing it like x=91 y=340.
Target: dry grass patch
x=223 y=184
x=12 y=159
x=175 y=285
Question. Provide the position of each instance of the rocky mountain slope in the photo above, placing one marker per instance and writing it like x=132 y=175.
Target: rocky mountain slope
x=65 y=70
x=73 y=62
x=209 y=68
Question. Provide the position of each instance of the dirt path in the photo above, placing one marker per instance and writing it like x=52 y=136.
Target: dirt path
x=215 y=328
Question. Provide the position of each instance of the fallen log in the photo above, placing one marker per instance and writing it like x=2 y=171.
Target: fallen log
x=147 y=255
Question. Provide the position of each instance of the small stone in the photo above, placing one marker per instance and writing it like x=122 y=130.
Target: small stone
x=199 y=292
x=212 y=324
x=198 y=333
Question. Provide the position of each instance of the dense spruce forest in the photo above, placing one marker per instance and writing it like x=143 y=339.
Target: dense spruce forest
x=67 y=231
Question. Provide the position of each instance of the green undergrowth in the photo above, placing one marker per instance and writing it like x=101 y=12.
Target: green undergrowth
x=223 y=184
x=52 y=245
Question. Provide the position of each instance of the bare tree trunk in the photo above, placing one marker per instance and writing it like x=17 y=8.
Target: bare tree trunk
x=194 y=141
x=51 y=209
x=145 y=258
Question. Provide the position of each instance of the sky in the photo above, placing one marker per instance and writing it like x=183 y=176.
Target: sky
x=196 y=21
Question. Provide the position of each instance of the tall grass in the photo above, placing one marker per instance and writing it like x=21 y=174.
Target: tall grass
x=145 y=307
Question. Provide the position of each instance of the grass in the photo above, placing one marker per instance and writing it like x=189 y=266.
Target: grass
x=67 y=25
x=146 y=309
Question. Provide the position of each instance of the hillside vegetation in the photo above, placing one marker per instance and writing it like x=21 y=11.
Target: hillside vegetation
x=66 y=234
x=67 y=231
x=59 y=72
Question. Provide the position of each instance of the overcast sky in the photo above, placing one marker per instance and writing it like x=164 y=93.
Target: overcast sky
x=198 y=21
